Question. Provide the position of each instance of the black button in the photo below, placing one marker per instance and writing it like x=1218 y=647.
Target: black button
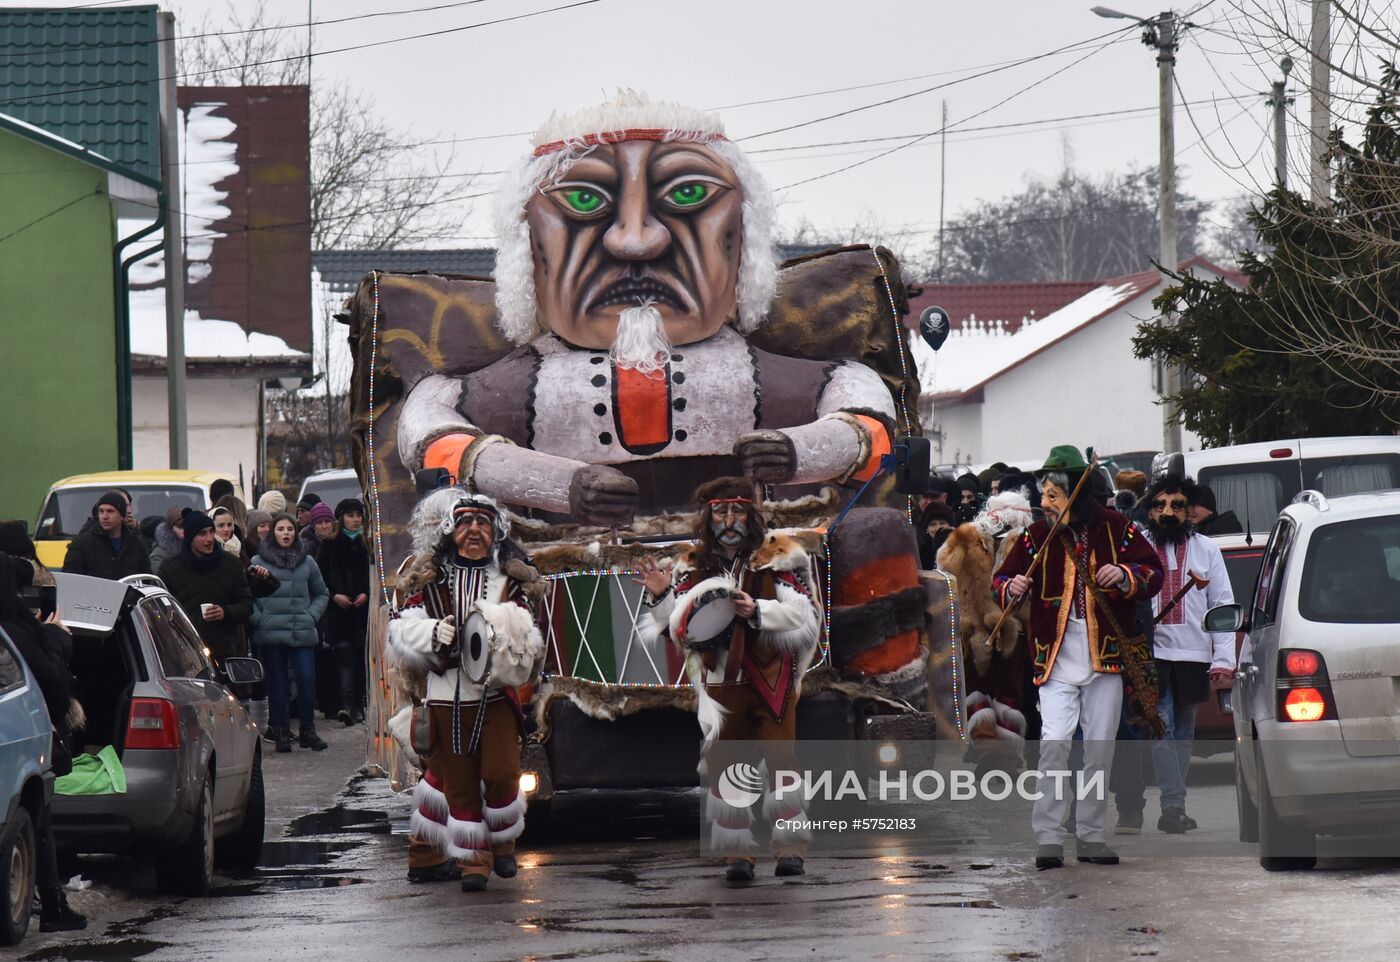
x=681 y=435
x=678 y=404
x=599 y=380
x=678 y=377
x=600 y=409
x=596 y=359
x=605 y=438
x=678 y=357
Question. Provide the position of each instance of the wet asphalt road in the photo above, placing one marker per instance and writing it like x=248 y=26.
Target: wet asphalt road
x=618 y=877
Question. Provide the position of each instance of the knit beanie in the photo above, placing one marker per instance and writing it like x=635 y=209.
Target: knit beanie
x=273 y=502
x=320 y=511
x=113 y=499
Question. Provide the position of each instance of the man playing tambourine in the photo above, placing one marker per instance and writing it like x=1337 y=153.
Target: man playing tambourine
x=739 y=604
x=468 y=809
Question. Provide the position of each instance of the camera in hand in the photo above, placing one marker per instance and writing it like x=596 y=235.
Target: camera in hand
x=40 y=598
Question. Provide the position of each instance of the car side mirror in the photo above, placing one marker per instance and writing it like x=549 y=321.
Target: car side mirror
x=1224 y=618
x=243 y=671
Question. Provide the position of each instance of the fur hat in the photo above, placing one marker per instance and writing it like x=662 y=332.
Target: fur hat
x=348 y=505
x=723 y=489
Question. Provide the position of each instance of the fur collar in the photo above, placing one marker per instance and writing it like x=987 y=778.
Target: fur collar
x=420 y=570
x=280 y=557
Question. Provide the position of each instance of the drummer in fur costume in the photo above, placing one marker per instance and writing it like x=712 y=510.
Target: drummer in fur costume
x=468 y=808
x=998 y=666
x=746 y=672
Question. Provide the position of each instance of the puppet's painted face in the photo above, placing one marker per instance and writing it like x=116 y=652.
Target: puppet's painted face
x=1054 y=500
x=729 y=523
x=633 y=222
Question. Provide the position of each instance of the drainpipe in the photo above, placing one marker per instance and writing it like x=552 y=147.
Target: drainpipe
x=123 y=321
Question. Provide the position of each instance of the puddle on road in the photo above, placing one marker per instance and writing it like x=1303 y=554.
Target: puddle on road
x=282 y=854
x=122 y=950
x=284 y=883
x=339 y=820
x=967 y=904
x=129 y=928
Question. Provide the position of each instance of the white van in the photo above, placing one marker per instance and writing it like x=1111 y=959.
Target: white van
x=1257 y=481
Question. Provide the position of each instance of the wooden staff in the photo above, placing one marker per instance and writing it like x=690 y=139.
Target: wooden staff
x=1193 y=580
x=1054 y=530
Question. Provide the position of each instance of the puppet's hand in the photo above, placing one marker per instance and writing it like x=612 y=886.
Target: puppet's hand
x=603 y=496
x=766 y=456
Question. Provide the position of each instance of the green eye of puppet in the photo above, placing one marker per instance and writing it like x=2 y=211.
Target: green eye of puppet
x=583 y=201
x=688 y=195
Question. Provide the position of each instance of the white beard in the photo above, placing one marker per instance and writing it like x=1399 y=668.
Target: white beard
x=641 y=341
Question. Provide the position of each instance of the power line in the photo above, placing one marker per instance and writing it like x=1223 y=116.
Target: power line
x=52 y=213
x=46 y=51
x=905 y=146
x=951 y=83
x=301 y=56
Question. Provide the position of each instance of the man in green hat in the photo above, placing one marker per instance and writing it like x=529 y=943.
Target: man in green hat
x=1082 y=594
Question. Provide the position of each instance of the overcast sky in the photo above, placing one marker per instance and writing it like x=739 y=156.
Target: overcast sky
x=506 y=78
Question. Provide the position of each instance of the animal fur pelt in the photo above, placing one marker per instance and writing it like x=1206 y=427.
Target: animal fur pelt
x=971 y=555
x=806 y=512
x=608 y=702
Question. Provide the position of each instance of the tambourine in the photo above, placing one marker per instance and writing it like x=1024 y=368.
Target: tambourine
x=488 y=658
x=706 y=625
x=477 y=639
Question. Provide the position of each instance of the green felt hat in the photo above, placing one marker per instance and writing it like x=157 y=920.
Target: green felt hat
x=1065 y=457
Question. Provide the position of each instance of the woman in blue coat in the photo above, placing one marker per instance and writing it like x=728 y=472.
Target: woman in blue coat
x=284 y=629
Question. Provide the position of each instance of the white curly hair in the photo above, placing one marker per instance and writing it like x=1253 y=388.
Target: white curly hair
x=576 y=135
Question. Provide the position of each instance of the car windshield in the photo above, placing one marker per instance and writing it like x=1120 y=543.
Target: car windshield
x=1243 y=568
x=333 y=490
x=1352 y=573
x=68 y=508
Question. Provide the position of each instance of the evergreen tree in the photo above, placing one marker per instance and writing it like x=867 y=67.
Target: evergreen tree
x=1311 y=347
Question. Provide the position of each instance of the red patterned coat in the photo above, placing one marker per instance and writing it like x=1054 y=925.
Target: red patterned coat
x=1110 y=538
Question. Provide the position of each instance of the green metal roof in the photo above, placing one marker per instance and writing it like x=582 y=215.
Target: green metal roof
x=88 y=76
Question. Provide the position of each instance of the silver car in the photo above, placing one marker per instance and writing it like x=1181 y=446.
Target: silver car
x=192 y=758
x=1317 y=692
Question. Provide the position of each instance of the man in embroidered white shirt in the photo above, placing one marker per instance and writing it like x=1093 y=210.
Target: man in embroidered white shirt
x=1188 y=657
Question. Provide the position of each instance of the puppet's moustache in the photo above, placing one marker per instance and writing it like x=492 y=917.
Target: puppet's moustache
x=641 y=341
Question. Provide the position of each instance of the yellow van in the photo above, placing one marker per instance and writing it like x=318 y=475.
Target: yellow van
x=69 y=502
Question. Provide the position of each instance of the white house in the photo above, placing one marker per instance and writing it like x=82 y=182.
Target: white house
x=1067 y=378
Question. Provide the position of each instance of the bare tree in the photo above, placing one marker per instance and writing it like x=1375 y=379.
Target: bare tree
x=370 y=188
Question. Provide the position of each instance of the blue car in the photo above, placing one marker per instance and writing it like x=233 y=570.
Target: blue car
x=26 y=782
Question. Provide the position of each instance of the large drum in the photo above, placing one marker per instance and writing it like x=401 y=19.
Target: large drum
x=879 y=602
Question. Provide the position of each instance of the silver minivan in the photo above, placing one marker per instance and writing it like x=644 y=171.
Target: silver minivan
x=1317 y=691
x=191 y=757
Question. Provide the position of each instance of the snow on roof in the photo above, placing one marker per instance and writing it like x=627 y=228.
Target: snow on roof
x=208 y=161
x=981 y=351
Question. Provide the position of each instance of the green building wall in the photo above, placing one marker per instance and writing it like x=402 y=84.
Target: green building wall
x=57 y=337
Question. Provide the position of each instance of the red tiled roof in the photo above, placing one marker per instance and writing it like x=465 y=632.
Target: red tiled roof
x=1011 y=303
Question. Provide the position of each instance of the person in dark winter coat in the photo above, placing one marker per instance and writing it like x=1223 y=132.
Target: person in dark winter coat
x=284 y=629
x=112 y=550
x=320 y=527
x=46 y=648
x=344 y=563
x=170 y=537
x=203 y=574
x=1204 y=518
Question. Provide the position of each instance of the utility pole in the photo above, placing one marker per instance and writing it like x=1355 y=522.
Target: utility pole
x=1161 y=34
x=1320 y=89
x=176 y=417
x=1279 y=101
x=1164 y=38
x=942 y=184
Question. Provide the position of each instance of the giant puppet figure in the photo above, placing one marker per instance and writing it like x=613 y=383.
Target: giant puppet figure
x=636 y=254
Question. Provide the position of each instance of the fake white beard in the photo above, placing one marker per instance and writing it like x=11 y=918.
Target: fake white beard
x=641 y=341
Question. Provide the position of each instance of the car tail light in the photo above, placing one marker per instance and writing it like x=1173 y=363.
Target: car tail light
x=1304 y=690
x=1304 y=705
x=1281 y=453
x=153 y=724
x=1300 y=664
